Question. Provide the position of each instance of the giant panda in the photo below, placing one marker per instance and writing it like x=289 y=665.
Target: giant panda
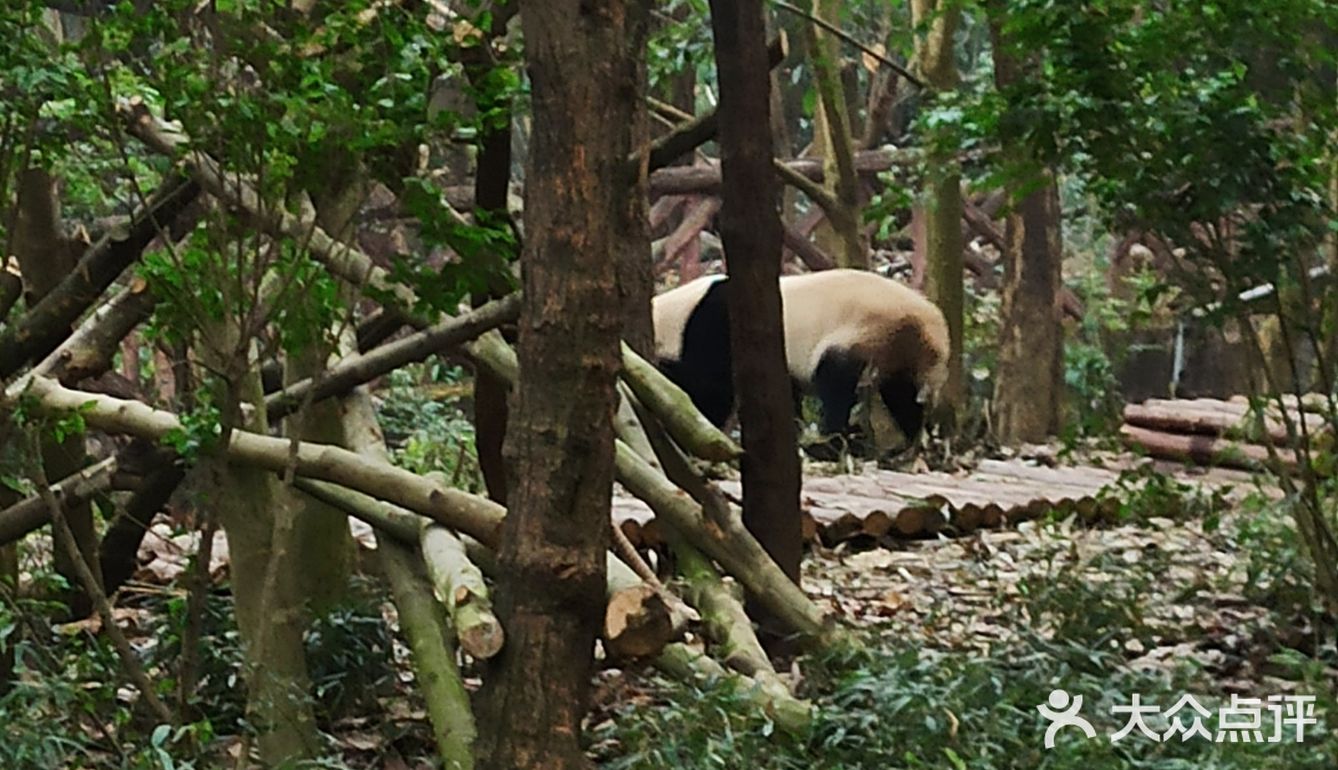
x=840 y=326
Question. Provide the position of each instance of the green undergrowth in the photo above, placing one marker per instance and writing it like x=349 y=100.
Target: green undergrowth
x=1080 y=625
x=895 y=706
x=69 y=705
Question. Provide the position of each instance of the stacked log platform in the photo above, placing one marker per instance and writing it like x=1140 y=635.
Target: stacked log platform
x=1214 y=432
x=889 y=504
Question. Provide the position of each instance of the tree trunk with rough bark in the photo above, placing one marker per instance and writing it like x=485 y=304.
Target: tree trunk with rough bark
x=1028 y=391
x=751 y=231
x=560 y=438
x=941 y=206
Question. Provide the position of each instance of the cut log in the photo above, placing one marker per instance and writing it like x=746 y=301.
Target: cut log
x=406 y=526
x=459 y=585
x=1309 y=402
x=1232 y=420
x=638 y=623
x=1204 y=450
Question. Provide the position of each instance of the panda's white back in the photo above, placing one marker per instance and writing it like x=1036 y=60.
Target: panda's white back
x=670 y=312
x=844 y=309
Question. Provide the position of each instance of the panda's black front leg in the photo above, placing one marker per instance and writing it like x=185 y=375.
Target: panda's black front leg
x=836 y=381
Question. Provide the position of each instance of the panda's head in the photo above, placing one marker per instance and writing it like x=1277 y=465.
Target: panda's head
x=914 y=366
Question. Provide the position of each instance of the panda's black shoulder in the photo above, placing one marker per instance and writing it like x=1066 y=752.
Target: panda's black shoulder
x=708 y=324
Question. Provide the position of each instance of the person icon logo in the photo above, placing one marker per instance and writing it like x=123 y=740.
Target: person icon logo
x=1062 y=711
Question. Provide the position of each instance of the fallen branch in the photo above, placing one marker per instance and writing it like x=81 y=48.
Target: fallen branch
x=448 y=706
x=459 y=585
x=355 y=370
x=119 y=550
x=341 y=259
x=33 y=513
x=89 y=351
x=728 y=624
x=675 y=410
x=64 y=538
x=452 y=507
x=47 y=323
x=724 y=539
x=693 y=666
x=449 y=711
x=699 y=180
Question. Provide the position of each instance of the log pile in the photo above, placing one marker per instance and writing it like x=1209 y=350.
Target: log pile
x=888 y=504
x=1230 y=434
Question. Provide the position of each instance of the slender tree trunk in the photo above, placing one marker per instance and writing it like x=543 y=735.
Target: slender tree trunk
x=1028 y=391
x=751 y=230
x=45 y=258
x=252 y=507
x=1328 y=359
x=323 y=546
x=9 y=580
x=259 y=519
x=560 y=438
x=636 y=276
x=835 y=137
x=492 y=185
x=941 y=211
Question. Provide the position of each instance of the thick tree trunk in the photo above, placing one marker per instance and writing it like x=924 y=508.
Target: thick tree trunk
x=1028 y=391
x=751 y=231
x=941 y=209
x=258 y=517
x=560 y=438
x=252 y=507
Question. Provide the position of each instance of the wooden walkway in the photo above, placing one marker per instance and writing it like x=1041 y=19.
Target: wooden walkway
x=882 y=503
